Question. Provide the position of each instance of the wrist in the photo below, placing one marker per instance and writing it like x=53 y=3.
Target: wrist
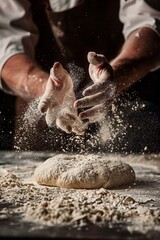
x=125 y=74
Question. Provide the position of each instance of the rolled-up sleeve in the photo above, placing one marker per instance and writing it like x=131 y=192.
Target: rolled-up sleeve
x=135 y=14
x=18 y=33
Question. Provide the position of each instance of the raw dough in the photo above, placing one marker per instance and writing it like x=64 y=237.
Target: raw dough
x=83 y=171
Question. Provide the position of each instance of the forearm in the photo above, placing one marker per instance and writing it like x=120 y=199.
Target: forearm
x=23 y=77
x=140 y=54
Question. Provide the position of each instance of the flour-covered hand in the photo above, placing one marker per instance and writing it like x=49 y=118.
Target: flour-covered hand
x=100 y=94
x=58 y=99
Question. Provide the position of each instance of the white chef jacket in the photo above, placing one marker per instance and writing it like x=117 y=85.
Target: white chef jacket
x=19 y=34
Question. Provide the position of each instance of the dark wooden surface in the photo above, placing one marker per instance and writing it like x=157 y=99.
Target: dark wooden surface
x=13 y=227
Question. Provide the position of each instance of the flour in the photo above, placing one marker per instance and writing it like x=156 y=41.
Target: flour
x=77 y=74
x=27 y=125
x=131 y=209
x=117 y=133
x=75 y=208
x=113 y=126
x=107 y=135
x=31 y=125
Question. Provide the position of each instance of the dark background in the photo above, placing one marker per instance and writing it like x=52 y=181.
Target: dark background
x=47 y=52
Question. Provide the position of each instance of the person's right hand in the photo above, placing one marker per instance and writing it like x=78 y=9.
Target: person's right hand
x=57 y=101
x=99 y=96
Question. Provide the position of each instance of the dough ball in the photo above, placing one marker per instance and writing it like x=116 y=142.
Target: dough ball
x=83 y=171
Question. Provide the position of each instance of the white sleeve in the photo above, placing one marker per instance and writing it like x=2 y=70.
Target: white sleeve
x=18 y=33
x=64 y=5
x=135 y=14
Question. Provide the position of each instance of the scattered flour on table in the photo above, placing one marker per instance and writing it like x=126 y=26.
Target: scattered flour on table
x=72 y=207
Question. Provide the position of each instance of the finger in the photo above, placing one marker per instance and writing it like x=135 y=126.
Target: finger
x=63 y=124
x=96 y=59
x=70 y=122
x=94 y=114
x=56 y=74
x=94 y=88
x=46 y=98
x=60 y=76
x=77 y=131
x=51 y=117
x=102 y=65
x=109 y=90
x=44 y=104
x=90 y=101
x=57 y=70
x=98 y=98
x=78 y=126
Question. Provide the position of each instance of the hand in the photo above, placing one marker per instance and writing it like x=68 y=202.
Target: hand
x=99 y=95
x=57 y=101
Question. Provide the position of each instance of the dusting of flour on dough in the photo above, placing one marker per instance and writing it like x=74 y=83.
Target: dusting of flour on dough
x=81 y=171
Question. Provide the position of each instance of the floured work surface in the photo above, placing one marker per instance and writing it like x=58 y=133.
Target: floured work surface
x=27 y=209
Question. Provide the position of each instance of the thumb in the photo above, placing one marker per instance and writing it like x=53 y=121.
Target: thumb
x=46 y=97
x=101 y=64
x=57 y=74
x=55 y=84
x=96 y=59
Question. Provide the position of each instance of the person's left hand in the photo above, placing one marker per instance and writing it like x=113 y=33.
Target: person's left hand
x=100 y=94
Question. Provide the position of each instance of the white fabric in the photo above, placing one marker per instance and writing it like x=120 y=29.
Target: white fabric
x=135 y=14
x=18 y=33
x=63 y=5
